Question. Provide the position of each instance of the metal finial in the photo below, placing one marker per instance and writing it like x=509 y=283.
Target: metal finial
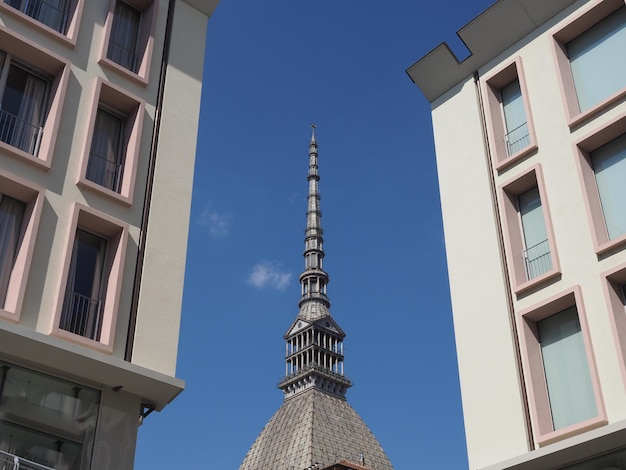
x=313 y=126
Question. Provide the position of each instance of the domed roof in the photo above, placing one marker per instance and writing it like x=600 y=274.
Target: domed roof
x=314 y=427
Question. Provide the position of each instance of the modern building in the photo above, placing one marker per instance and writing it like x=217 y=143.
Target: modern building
x=530 y=137
x=315 y=428
x=98 y=121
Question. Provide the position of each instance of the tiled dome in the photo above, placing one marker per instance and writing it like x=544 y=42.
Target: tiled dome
x=315 y=427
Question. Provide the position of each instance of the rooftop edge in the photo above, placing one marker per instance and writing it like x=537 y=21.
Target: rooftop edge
x=508 y=20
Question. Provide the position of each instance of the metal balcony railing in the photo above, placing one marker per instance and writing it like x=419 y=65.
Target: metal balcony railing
x=46 y=13
x=537 y=259
x=81 y=315
x=105 y=172
x=13 y=462
x=123 y=56
x=19 y=133
x=517 y=139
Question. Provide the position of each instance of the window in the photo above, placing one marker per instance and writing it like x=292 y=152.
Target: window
x=32 y=90
x=106 y=163
x=516 y=137
x=588 y=52
x=86 y=312
x=46 y=420
x=612 y=461
x=82 y=307
x=20 y=210
x=596 y=70
x=568 y=380
x=615 y=290
x=528 y=231
x=11 y=217
x=23 y=104
x=558 y=363
x=508 y=116
x=124 y=33
x=536 y=253
x=110 y=159
x=130 y=37
x=52 y=13
x=609 y=166
x=602 y=168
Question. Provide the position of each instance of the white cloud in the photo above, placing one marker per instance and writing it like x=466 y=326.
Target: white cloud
x=217 y=223
x=268 y=274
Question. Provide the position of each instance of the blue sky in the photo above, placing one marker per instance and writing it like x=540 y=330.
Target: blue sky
x=271 y=69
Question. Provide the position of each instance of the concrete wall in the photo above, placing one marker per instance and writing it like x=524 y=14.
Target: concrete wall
x=159 y=312
x=492 y=409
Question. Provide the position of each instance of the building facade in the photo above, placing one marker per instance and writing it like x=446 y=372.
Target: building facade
x=99 y=109
x=315 y=428
x=530 y=140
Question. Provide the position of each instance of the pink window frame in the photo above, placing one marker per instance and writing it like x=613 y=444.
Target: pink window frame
x=512 y=227
x=133 y=108
x=33 y=196
x=615 y=279
x=69 y=38
x=541 y=416
x=583 y=148
x=588 y=16
x=496 y=128
x=44 y=60
x=116 y=233
x=148 y=9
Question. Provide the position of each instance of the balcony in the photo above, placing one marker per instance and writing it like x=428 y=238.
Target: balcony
x=312 y=369
x=13 y=462
x=518 y=139
x=537 y=259
x=82 y=315
x=105 y=172
x=19 y=133
x=314 y=296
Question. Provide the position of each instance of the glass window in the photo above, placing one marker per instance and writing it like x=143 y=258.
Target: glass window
x=612 y=461
x=124 y=33
x=53 y=13
x=23 y=98
x=595 y=58
x=46 y=420
x=83 y=304
x=106 y=159
x=11 y=216
x=609 y=166
x=536 y=254
x=517 y=136
x=568 y=379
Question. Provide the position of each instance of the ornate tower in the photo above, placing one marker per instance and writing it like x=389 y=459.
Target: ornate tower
x=315 y=427
x=314 y=342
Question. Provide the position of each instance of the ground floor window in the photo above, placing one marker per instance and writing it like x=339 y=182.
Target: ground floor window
x=46 y=420
x=613 y=460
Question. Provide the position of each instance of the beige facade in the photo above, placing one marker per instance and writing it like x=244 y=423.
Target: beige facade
x=98 y=122
x=530 y=137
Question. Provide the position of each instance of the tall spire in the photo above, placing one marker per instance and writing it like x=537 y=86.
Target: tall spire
x=314 y=303
x=314 y=342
